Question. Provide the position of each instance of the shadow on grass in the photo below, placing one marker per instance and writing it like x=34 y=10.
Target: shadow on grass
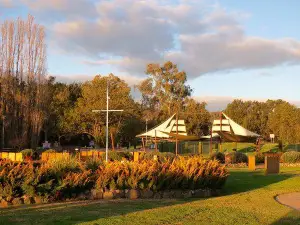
x=80 y=211
x=292 y=218
x=241 y=180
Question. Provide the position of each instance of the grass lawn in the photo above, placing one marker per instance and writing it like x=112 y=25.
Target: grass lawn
x=248 y=199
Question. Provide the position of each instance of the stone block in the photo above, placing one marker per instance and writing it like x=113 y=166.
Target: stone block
x=119 y=193
x=133 y=194
x=17 y=201
x=146 y=194
x=107 y=195
x=97 y=194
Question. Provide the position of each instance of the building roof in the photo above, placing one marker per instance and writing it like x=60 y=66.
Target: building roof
x=166 y=129
x=231 y=131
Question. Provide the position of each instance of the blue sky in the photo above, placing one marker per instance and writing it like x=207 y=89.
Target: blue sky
x=229 y=49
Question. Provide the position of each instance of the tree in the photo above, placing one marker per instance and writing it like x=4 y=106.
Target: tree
x=61 y=99
x=284 y=122
x=82 y=119
x=197 y=118
x=165 y=90
x=22 y=82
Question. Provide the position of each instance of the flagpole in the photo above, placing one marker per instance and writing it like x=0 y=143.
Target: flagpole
x=106 y=150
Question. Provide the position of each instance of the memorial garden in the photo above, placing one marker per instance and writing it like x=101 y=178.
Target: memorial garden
x=90 y=153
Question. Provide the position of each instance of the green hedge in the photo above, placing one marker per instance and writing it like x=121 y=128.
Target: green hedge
x=237 y=157
x=291 y=157
x=218 y=156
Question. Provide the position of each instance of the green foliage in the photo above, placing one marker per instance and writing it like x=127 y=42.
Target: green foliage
x=66 y=178
x=93 y=96
x=118 y=156
x=237 y=157
x=74 y=184
x=291 y=157
x=61 y=165
x=218 y=156
x=165 y=89
x=93 y=163
x=259 y=157
x=50 y=151
x=269 y=147
x=162 y=156
x=181 y=173
x=27 y=153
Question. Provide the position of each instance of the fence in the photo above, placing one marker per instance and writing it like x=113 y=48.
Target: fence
x=54 y=155
x=91 y=154
x=13 y=156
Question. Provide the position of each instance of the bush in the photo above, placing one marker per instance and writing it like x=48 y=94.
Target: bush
x=218 y=156
x=181 y=173
x=259 y=157
x=67 y=178
x=50 y=151
x=291 y=157
x=93 y=163
x=236 y=157
x=118 y=156
x=27 y=153
x=61 y=165
x=162 y=156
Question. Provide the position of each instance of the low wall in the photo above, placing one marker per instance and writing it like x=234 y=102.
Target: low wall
x=13 y=156
x=54 y=155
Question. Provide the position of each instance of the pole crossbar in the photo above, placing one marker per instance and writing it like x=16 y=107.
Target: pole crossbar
x=107 y=111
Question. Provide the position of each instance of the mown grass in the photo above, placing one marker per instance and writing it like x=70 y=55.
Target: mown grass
x=248 y=199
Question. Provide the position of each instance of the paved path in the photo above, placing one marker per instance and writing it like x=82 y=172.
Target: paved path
x=291 y=199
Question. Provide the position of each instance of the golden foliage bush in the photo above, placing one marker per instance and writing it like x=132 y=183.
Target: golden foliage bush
x=67 y=177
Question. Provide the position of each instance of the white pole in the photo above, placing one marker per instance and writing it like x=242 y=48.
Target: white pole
x=106 y=150
x=146 y=131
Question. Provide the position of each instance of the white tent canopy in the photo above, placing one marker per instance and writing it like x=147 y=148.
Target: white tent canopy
x=231 y=131
x=163 y=130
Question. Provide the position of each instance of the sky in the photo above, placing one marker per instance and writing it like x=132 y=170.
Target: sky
x=229 y=48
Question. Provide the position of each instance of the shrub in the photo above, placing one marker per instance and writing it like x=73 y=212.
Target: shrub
x=236 y=157
x=259 y=157
x=12 y=176
x=162 y=156
x=93 y=163
x=118 y=156
x=291 y=157
x=27 y=153
x=74 y=184
x=50 y=151
x=66 y=177
x=181 y=173
x=218 y=156
x=63 y=165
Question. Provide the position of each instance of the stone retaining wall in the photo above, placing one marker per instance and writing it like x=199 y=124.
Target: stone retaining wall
x=115 y=194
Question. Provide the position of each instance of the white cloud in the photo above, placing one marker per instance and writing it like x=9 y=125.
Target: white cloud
x=202 y=37
x=130 y=80
x=219 y=103
x=7 y=3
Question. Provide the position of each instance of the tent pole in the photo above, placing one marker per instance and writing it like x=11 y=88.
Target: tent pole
x=220 y=131
x=176 y=134
x=210 y=151
x=143 y=144
x=155 y=141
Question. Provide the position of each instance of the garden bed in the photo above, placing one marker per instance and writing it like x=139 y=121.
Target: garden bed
x=131 y=194
x=67 y=178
